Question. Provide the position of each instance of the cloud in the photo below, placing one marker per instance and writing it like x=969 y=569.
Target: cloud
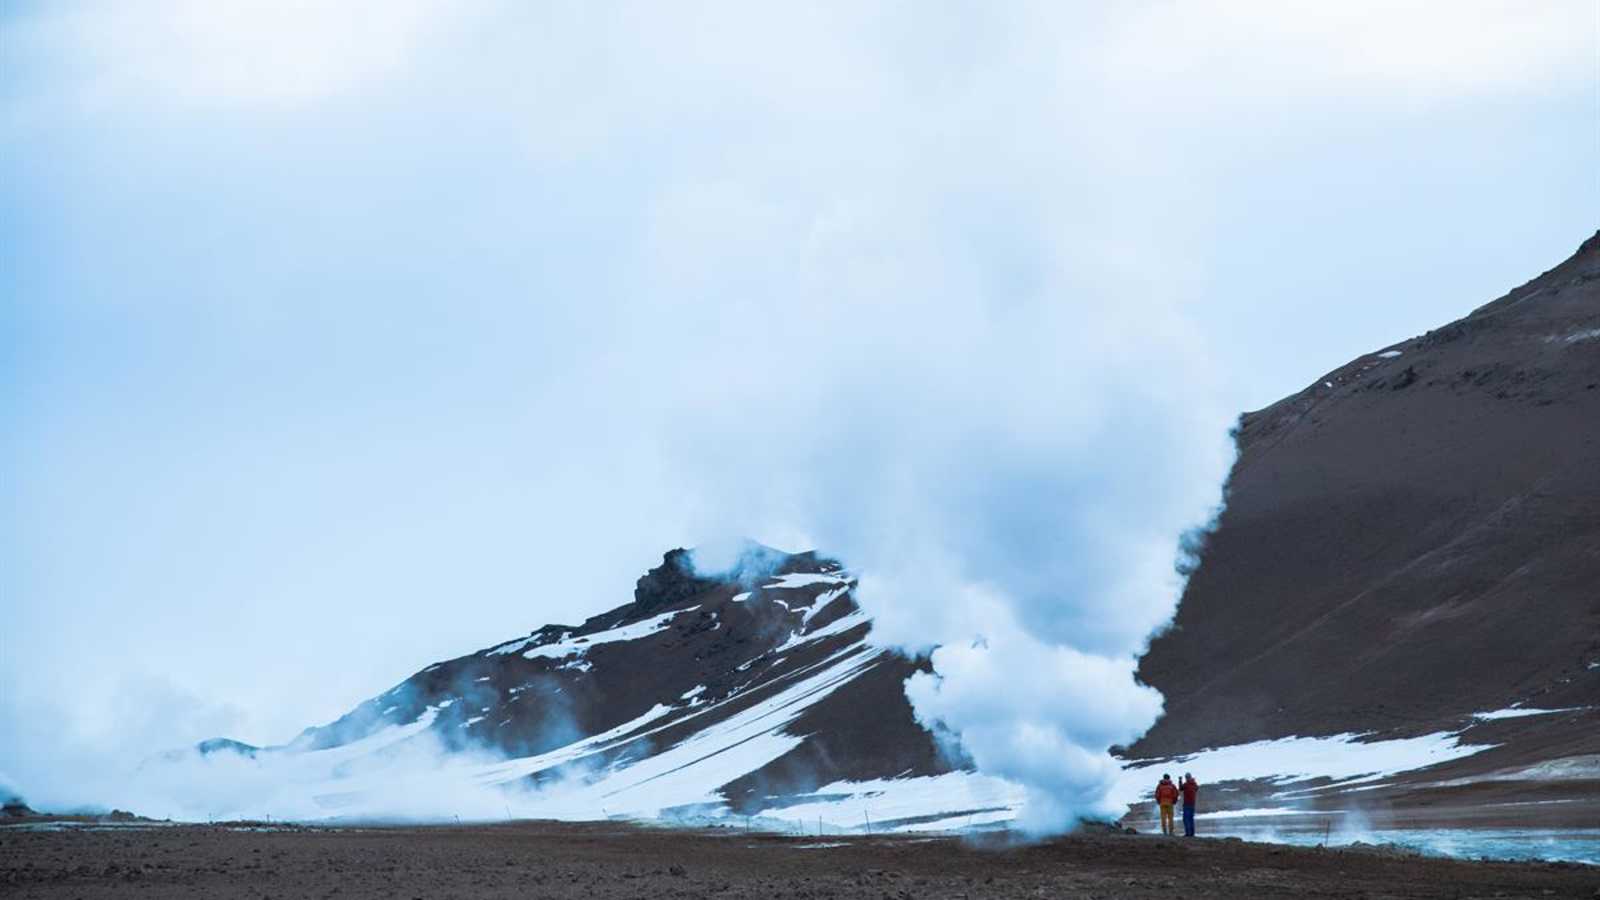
x=1399 y=52
x=251 y=53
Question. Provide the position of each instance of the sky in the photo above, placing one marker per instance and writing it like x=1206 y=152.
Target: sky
x=339 y=339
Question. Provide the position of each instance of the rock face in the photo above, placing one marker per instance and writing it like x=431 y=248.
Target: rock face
x=753 y=693
x=224 y=745
x=671 y=582
x=1413 y=539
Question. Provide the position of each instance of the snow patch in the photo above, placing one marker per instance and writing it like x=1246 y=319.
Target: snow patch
x=1591 y=334
x=1254 y=813
x=837 y=626
x=1344 y=758
x=513 y=646
x=689 y=773
x=1389 y=354
x=822 y=602
x=802 y=579
x=952 y=801
x=633 y=631
x=1518 y=712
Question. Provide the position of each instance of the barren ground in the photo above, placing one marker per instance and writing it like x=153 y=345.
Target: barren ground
x=536 y=859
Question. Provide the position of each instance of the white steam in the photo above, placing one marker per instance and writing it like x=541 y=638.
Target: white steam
x=882 y=286
x=1021 y=512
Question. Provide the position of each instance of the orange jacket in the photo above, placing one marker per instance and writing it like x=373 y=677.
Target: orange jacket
x=1166 y=793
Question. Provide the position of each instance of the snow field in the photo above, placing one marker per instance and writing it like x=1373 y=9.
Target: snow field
x=1344 y=758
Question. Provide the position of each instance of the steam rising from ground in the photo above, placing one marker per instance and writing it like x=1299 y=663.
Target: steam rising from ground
x=359 y=337
x=404 y=773
x=1021 y=509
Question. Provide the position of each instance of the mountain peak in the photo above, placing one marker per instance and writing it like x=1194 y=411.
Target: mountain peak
x=740 y=679
x=672 y=581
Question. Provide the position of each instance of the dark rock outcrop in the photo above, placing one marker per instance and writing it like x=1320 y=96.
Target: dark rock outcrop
x=671 y=582
x=226 y=745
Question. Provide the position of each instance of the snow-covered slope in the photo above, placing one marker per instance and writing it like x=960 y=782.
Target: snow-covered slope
x=757 y=696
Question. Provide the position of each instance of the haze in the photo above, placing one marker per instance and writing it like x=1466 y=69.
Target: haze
x=338 y=341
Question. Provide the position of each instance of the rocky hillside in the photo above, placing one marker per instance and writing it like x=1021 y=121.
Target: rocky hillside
x=1412 y=544
x=751 y=694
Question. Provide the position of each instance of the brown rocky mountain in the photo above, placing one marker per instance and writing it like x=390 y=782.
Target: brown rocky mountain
x=1412 y=540
x=752 y=693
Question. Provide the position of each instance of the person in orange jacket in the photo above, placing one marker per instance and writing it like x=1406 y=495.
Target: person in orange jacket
x=1191 y=792
x=1166 y=796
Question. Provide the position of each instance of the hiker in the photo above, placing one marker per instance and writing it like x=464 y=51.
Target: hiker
x=1166 y=795
x=1190 y=790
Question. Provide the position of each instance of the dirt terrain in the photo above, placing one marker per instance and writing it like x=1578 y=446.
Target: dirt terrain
x=533 y=860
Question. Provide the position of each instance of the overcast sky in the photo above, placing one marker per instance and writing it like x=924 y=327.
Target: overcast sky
x=336 y=339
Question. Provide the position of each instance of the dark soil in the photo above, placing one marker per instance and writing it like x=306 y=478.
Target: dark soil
x=533 y=860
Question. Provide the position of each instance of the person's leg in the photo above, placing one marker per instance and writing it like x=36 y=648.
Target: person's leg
x=1188 y=820
x=1166 y=818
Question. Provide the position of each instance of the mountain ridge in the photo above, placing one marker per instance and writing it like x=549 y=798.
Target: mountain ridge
x=775 y=648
